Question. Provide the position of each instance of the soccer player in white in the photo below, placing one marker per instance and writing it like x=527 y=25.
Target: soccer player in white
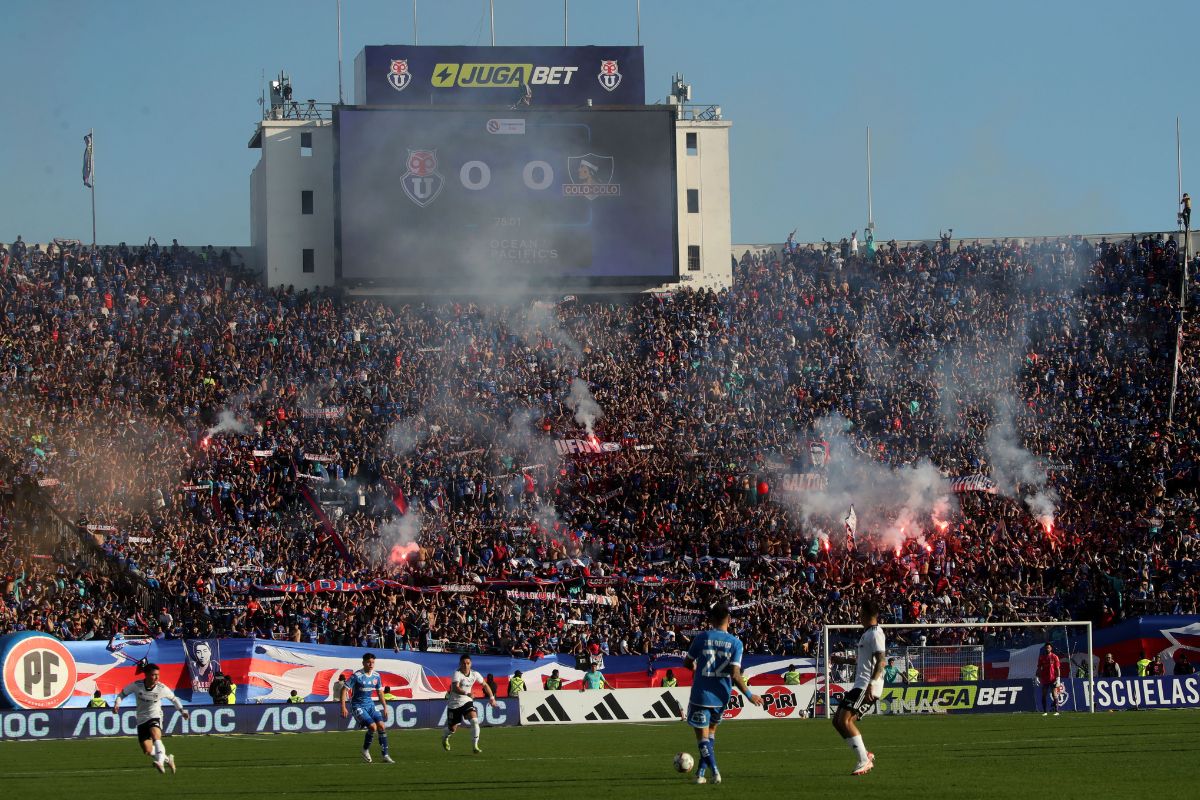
x=868 y=685
x=150 y=694
x=460 y=707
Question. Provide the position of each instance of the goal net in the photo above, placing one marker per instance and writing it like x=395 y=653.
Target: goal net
x=964 y=667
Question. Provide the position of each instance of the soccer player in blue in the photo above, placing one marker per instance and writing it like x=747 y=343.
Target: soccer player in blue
x=360 y=688
x=715 y=659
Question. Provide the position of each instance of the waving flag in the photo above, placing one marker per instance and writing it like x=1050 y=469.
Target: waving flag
x=88 y=165
x=851 y=527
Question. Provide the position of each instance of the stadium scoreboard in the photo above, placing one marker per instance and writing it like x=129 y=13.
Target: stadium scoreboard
x=430 y=197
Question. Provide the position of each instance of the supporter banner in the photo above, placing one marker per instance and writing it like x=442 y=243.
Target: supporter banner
x=262 y=453
x=799 y=482
x=49 y=482
x=329 y=412
x=102 y=528
x=550 y=597
x=266 y=671
x=973 y=483
x=582 y=447
x=319 y=457
x=392 y=75
x=654 y=705
x=79 y=723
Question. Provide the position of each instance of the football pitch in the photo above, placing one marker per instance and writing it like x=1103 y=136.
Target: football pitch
x=1125 y=754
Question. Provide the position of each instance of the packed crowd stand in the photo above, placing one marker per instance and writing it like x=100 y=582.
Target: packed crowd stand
x=212 y=439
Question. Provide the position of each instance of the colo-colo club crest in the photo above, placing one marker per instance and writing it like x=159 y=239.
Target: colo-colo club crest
x=422 y=183
x=398 y=75
x=610 y=76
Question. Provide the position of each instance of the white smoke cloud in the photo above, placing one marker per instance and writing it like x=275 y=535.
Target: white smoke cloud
x=893 y=504
x=586 y=409
x=1018 y=473
x=227 y=422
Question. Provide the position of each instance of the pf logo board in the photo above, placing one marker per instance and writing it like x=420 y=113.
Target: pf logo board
x=422 y=183
x=36 y=671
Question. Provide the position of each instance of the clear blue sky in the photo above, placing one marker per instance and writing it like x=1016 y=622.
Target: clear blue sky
x=994 y=118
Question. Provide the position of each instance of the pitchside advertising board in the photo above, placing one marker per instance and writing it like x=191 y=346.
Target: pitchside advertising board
x=402 y=75
x=655 y=705
x=78 y=723
x=500 y=199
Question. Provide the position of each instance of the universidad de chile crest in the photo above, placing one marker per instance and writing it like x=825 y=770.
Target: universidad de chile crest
x=398 y=75
x=422 y=183
x=610 y=76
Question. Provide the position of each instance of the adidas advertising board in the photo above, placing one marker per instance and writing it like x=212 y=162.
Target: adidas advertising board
x=653 y=705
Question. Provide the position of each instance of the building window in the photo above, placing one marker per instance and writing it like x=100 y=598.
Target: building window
x=306 y=201
x=693 y=258
x=310 y=260
x=693 y=145
x=693 y=201
x=306 y=145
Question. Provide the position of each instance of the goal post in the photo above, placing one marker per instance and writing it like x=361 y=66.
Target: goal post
x=961 y=666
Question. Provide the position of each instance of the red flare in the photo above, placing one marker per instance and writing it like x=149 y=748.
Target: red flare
x=401 y=552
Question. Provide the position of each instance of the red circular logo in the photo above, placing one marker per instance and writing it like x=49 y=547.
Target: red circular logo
x=39 y=672
x=779 y=701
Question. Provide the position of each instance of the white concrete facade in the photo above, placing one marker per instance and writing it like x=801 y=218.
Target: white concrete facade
x=704 y=169
x=280 y=232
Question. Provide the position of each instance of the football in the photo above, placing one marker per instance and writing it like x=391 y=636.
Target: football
x=684 y=762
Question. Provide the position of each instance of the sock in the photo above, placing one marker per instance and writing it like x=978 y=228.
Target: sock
x=712 y=754
x=160 y=751
x=705 y=755
x=475 y=731
x=383 y=745
x=856 y=744
x=449 y=733
x=367 y=739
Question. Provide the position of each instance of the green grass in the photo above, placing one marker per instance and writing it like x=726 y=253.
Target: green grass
x=1148 y=754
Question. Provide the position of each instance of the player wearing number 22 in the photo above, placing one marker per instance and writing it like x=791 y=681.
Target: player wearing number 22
x=150 y=693
x=868 y=685
x=715 y=659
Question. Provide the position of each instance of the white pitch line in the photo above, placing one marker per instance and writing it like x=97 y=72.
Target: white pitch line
x=354 y=762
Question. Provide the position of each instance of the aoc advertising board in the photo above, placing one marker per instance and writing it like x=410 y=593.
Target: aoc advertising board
x=441 y=198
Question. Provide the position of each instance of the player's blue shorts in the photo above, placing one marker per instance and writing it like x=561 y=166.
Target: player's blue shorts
x=367 y=714
x=703 y=716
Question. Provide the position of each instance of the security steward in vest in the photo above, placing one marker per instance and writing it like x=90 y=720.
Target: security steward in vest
x=97 y=701
x=516 y=684
x=792 y=676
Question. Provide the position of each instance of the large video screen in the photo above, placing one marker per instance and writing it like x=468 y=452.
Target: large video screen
x=461 y=200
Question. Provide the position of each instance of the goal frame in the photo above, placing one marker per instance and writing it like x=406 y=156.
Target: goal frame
x=1090 y=681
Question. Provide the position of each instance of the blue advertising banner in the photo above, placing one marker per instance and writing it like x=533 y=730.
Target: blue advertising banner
x=409 y=75
x=1165 y=691
x=78 y=723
